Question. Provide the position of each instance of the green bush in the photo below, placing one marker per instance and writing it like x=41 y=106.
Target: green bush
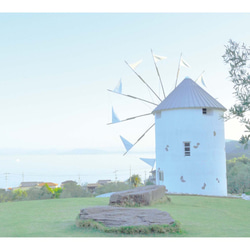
x=46 y=192
x=57 y=192
x=34 y=193
x=247 y=192
x=148 y=183
x=238 y=175
x=73 y=190
x=6 y=196
x=19 y=194
x=113 y=187
x=135 y=180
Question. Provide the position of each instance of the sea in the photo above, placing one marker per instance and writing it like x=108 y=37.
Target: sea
x=82 y=168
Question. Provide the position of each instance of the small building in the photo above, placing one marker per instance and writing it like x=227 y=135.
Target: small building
x=50 y=184
x=29 y=184
x=104 y=182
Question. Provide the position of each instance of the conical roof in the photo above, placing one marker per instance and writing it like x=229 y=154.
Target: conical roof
x=188 y=94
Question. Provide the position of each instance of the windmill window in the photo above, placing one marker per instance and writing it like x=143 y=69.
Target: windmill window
x=161 y=176
x=204 y=111
x=187 y=148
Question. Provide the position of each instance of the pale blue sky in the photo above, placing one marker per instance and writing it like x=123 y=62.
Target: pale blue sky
x=55 y=69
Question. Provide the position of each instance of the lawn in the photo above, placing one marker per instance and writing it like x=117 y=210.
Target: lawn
x=199 y=217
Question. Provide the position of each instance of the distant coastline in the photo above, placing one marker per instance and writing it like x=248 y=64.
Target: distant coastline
x=77 y=151
x=233 y=149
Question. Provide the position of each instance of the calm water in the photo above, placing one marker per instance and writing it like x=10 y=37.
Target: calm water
x=80 y=168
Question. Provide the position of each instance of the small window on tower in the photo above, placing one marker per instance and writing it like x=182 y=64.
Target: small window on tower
x=187 y=148
x=204 y=111
x=161 y=176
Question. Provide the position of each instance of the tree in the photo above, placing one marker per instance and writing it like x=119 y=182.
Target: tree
x=237 y=56
x=238 y=175
x=57 y=192
x=46 y=192
x=34 y=193
x=112 y=187
x=135 y=180
x=73 y=190
x=19 y=194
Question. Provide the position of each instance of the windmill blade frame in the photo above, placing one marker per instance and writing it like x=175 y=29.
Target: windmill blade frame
x=139 y=138
x=158 y=73
x=144 y=81
x=130 y=118
x=134 y=97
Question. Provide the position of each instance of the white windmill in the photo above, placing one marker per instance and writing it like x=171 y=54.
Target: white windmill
x=189 y=137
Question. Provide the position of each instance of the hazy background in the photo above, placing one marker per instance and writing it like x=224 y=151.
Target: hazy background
x=55 y=69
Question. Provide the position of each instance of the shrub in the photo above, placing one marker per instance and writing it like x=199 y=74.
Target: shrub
x=46 y=192
x=135 y=180
x=238 y=175
x=57 y=192
x=6 y=196
x=34 y=193
x=247 y=192
x=112 y=187
x=19 y=194
x=73 y=190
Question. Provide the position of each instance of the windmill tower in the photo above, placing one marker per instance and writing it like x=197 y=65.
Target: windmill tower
x=190 y=143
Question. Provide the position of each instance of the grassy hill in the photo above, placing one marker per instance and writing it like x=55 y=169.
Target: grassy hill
x=235 y=149
x=199 y=217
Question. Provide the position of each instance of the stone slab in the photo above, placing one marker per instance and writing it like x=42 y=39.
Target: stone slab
x=141 y=196
x=112 y=216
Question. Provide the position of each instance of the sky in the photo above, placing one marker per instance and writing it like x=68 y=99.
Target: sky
x=55 y=69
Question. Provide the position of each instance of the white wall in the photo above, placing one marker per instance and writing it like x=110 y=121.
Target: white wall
x=206 y=163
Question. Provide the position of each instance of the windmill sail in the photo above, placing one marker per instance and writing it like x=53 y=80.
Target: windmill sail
x=134 y=65
x=183 y=63
x=149 y=161
x=115 y=118
x=158 y=58
x=201 y=80
x=118 y=88
x=126 y=143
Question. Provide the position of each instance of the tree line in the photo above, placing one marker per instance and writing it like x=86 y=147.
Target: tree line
x=69 y=190
x=238 y=182
x=238 y=175
x=45 y=192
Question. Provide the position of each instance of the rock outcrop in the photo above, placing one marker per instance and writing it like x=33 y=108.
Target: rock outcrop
x=120 y=216
x=140 y=196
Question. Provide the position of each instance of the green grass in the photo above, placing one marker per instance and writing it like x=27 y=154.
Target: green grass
x=199 y=217
x=209 y=216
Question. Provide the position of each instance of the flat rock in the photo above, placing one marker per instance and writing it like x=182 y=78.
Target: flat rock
x=141 y=196
x=121 y=216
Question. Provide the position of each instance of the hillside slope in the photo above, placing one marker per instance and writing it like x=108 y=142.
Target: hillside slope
x=199 y=217
x=235 y=149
